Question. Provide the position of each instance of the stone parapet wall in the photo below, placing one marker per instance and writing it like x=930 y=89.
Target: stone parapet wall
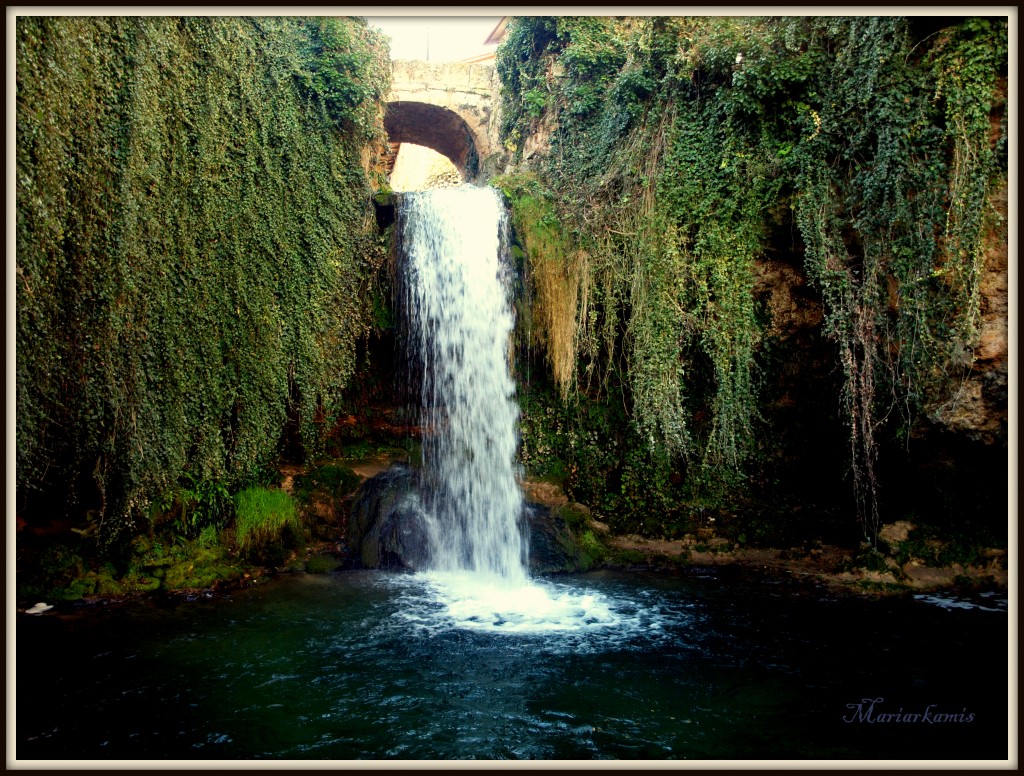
x=450 y=107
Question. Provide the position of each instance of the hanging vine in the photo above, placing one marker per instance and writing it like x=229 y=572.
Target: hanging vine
x=193 y=230
x=674 y=142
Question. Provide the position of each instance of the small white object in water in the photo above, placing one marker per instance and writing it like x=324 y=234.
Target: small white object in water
x=39 y=608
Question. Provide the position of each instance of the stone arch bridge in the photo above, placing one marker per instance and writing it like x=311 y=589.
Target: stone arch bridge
x=449 y=107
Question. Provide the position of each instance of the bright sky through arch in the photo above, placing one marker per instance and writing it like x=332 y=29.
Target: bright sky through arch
x=436 y=38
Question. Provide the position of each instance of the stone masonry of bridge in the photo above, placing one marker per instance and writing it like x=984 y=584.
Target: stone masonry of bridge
x=450 y=107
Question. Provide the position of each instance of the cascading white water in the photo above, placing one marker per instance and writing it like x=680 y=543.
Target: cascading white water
x=459 y=324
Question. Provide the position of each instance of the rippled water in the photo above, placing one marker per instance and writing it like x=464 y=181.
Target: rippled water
x=705 y=665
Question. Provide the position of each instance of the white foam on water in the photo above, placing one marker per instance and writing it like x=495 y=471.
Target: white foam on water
x=561 y=614
x=952 y=602
x=492 y=605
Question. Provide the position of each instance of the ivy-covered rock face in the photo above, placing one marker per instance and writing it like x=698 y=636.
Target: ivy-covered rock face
x=195 y=249
x=686 y=152
x=198 y=262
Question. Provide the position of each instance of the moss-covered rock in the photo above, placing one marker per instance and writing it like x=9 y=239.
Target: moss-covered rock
x=322 y=564
x=207 y=567
x=185 y=578
x=554 y=547
x=385 y=526
x=76 y=589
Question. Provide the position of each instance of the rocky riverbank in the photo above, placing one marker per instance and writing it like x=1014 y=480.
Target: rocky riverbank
x=566 y=538
x=903 y=561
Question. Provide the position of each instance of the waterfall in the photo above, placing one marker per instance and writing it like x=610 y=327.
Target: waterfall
x=458 y=325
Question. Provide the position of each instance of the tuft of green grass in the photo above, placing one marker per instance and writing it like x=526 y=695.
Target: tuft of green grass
x=262 y=515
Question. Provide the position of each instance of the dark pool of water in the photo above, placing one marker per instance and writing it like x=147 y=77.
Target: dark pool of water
x=709 y=665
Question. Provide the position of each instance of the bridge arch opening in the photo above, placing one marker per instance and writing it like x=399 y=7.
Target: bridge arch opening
x=435 y=127
x=417 y=167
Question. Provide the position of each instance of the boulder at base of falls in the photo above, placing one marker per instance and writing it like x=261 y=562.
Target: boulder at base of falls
x=386 y=527
x=553 y=548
